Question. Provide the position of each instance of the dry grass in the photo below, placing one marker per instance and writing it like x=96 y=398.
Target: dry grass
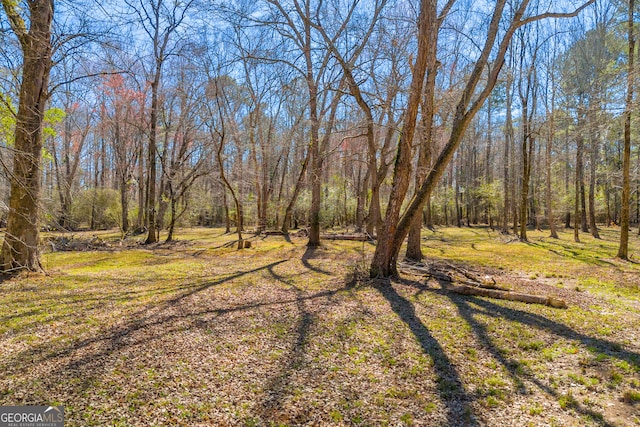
x=196 y=333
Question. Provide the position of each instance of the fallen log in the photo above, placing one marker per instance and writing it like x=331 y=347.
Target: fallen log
x=490 y=290
x=487 y=282
x=354 y=237
x=508 y=295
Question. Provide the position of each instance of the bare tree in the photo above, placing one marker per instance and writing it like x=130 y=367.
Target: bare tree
x=626 y=157
x=396 y=228
x=160 y=21
x=527 y=91
x=186 y=153
x=425 y=151
x=66 y=159
x=20 y=247
x=550 y=106
x=123 y=119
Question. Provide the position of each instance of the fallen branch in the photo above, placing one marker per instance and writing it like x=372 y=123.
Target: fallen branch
x=441 y=275
x=480 y=288
x=354 y=237
x=508 y=295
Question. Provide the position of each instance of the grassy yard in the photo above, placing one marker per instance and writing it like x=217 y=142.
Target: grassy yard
x=198 y=333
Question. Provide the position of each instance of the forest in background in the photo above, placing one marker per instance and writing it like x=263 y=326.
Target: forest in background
x=286 y=114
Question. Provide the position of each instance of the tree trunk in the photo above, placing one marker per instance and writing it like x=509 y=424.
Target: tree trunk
x=142 y=218
x=294 y=197
x=386 y=254
x=94 y=193
x=577 y=217
x=527 y=144
x=227 y=219
x=236 y=200
x=395 y=229
x=512 y=162
x=316 y=171
x=583 y=199
x=626 y=157
x=361 y=196
x=172 y=219
x=152 y=236
x=567 y=178
x=456 y=191
x=20 y=247
x=508 y=141
x=638 y=194
x=124 y=203
x=374 y=217
x=528 y=101
x=547 y=164
x=414 y=251
x=595 y=149
x=319 y=150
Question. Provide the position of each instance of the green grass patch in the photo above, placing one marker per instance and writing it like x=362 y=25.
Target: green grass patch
x=178 y=334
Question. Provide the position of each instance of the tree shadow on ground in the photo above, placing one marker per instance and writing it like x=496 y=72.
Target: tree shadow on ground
x=276 y=387
x=310 y=253
x=573 y=252
x=470 y=307
x=450 y=386
x=83 y=361
x=118 y=337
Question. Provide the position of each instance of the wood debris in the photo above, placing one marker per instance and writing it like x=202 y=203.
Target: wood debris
x=456 y=279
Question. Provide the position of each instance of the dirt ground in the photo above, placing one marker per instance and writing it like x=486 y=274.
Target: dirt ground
x=200 y=334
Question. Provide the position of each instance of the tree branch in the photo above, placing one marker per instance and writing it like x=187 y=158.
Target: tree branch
x=556 y=14
x=17 y=23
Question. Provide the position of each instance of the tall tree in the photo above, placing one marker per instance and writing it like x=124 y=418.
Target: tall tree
x=626 y=157
x=414 y=251
x=395 y=228
x=527 y=91
x=20 y=247
x=550 y=106
x=295 y=23
x=347 y=63
x=161 y=21
x=384 y=261
x=579 y=188
x=66 y=158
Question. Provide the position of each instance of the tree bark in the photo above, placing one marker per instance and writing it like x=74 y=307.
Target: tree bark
x=414 y=251
x=577 y=217
x=626 y=157
x=581 y=190
x=527 y=144
x=567 y=177
x=152 y=236
x=20 y=247
x=227 y=219
x=142 y=217
x=395 y=229
x=595 y=149
x=385 y=256
x=547 y=163
x=508 y=142
x=294 y=197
